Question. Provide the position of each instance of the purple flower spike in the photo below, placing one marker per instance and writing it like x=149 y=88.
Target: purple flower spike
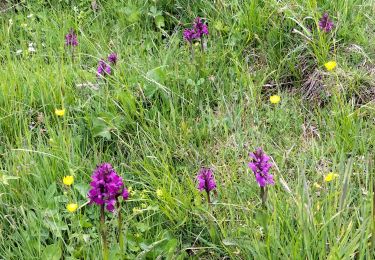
x=188 y=35
x=200 y=28
x=103 y=68
x=260 y=166
x=106 y=187
x=206 y=180
x=71 y=39
x=325 y=24
x=112 y=58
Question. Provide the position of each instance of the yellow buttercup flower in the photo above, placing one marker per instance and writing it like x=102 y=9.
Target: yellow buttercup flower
x=331 y=65
x=68 y=180
x=59 y=112
x=275 y=99
x=330 y=176
x=71 y=207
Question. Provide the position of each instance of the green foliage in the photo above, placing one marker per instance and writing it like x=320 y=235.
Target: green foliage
x=160 y=116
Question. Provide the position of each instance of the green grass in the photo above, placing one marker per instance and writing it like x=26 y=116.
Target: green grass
x=161 y=116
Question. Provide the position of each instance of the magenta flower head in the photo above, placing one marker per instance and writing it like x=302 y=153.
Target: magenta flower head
x=260 y=166
x=200 y=28
x=325 y=24
x=206 y=180
x=188 y=35
x=71 y=39
x=112 y=58
x=106 y=187
x=103 y=68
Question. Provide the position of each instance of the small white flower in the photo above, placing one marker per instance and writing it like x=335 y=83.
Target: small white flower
x=10 y=21
x=31 y=47
x=30 y=15
x=18 y=52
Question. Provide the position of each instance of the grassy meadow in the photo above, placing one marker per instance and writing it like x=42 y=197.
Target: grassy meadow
x=161 y=114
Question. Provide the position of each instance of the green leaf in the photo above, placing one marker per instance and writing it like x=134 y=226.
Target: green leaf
x=82 y=189
x=157 y=74
x=52 y=252
x=100 y=128
x=190 y=82
x=51 y=191
x=170 y=247
x=155 y=77
x=200 y=81
x=85 y=222
x=131 y=14
x=147 y=248
x=159 y=21
x=142 y=227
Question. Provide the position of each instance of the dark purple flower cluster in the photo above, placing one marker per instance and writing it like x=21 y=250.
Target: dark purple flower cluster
x=260 y=166
x=199 y=29
x=206 y=180
x=325 y=24
x=71 y=39
x=103 y=67
x=112 y=58
x=106 y=187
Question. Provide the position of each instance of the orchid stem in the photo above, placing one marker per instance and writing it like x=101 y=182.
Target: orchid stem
x=263 y=195
x=104 y=233
x=120 y=236
x=192 y=51
x=208 y=197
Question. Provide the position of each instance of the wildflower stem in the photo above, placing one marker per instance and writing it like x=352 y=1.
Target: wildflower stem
x=120 y=236
x=104 y=233
x=192 y=51
x=263 y=195
x=208 y=197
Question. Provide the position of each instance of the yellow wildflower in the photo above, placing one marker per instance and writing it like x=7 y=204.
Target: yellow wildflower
x=331 y=65
x=71 y=207
x=59 y=112
x=143 y=205
x=275 y=99
x=159 y=193
x=330 y=176
x=136 y=210
x=68 y=180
